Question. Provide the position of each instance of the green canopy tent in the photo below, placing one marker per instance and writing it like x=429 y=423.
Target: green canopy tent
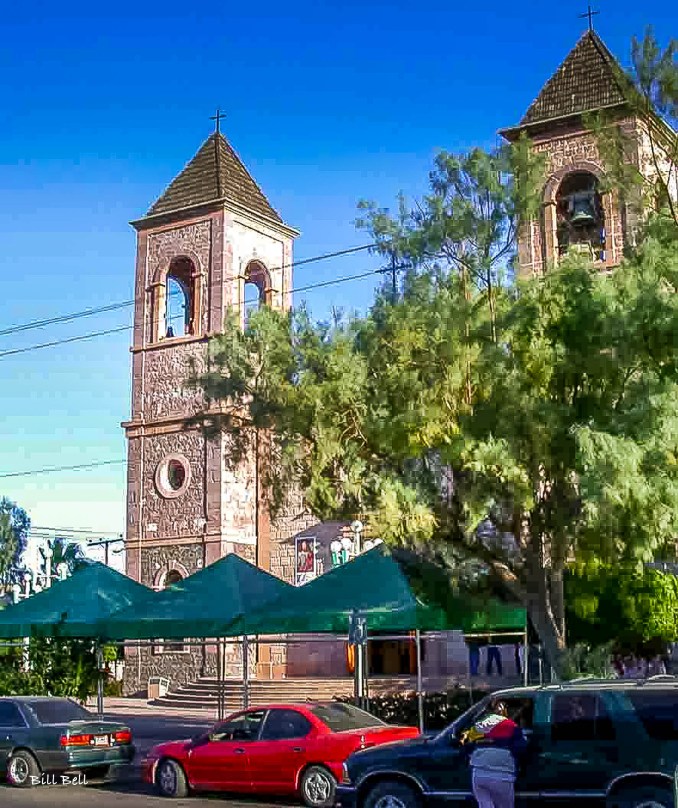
x=200 y=605
x=75 y=608
x=388 y=593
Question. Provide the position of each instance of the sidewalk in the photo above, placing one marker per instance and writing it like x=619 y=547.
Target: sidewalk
x=142 y=708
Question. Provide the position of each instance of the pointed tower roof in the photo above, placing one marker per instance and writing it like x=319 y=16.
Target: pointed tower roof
x=589 y=79
x=216 y=173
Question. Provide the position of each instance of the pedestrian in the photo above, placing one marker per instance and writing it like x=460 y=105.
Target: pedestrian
x=494 y=655
x=473 y=657
x=518 y=652
x=495 y=744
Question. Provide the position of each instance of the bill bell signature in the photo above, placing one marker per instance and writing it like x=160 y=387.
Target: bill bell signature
x=78 y=779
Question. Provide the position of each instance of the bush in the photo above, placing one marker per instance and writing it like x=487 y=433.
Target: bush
x=440 y=709
x=15 y=682
x=112 y=687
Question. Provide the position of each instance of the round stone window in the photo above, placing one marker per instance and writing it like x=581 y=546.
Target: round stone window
x=173 y=476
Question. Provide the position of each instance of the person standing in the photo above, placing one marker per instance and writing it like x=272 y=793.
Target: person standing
x=473 y=657
x=496 y=743
x=494 y=655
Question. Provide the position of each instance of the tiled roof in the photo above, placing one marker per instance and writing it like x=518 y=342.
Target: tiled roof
x=216 y=172
x=590 y=78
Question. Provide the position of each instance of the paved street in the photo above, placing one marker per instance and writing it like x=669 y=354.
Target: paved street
x=114 y=795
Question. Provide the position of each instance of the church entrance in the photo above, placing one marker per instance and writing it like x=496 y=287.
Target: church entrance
x=392 y=656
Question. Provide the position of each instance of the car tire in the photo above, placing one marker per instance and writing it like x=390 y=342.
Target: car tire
x=644 y=797
x=22 y=767
x=393 y=794
x=318 y=787
x=170 y=779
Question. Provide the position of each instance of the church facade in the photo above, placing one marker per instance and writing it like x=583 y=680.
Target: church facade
x=212 y=243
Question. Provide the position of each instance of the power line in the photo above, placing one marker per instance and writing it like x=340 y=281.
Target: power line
x=50 y=469
x=65 y=318
x=75 y=530
x=93 y=334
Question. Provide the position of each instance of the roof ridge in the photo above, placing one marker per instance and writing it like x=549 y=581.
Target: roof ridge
x=214 y=174
x=589 y=77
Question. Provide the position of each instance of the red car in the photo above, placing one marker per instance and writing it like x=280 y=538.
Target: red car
x=281 y=749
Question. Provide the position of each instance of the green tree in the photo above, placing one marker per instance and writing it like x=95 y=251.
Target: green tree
x=633 y=610
x=14 y=527
x=522 y=434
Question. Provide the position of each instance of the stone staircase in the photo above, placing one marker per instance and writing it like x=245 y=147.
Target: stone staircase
x=203 y=694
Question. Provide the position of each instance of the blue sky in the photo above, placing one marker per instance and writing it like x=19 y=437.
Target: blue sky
x=325 y=104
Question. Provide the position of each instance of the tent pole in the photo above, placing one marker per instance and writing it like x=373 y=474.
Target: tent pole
x=245 y=672
x=100 y=681
x=525 y=656
x=420 y=684
x=220 y=679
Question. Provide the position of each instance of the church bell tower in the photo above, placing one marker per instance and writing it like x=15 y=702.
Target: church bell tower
x=579 y=213
x=212 y=242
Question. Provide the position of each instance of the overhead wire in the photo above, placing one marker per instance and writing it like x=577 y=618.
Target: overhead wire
x=119 y=329
x=65 y=318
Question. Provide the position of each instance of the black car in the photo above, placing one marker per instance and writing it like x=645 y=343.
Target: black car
x=42 y=738
x=613 y=743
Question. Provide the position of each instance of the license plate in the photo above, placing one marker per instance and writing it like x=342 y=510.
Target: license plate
x=101 y=740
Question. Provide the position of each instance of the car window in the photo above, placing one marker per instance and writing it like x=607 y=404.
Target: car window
x=283 y=724
x=10 y=715
x=520 y=710
x=658 y=712
x=341 y=717
x=243 y=728
x=58 y=711
x=580 y=717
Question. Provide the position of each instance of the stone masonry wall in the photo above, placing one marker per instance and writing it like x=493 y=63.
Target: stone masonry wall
x=572 y=150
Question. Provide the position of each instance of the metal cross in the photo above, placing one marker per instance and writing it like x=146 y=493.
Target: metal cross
x=590 y=14
x=218 y=118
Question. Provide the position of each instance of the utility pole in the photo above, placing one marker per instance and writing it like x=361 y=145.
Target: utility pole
x=105 y=543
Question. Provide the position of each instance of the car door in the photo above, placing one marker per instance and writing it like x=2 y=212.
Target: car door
x=281 y=751
x=577 y=747
x=221 y=761
x=13 y=730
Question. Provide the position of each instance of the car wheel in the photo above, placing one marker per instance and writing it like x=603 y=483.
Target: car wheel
x=392 y=794
x=170 y=779
x=96 y=772
x=645 y=797
x=318 y=787
x=22 y=768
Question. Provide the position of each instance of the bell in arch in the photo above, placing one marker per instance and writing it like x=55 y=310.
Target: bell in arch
x=581 y=209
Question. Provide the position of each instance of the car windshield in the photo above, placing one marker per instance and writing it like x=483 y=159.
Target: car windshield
x=341 y=717
x=58 y=711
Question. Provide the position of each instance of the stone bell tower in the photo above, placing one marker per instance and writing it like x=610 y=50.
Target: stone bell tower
x=210 y=243
x=578 y=213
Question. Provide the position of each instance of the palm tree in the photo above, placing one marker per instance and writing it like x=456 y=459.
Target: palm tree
x=65 y=552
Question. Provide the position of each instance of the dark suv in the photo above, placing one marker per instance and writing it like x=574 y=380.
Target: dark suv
x=605 y=742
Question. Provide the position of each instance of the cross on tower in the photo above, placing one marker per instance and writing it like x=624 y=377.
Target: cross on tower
x=590 y=14
x=218 y=118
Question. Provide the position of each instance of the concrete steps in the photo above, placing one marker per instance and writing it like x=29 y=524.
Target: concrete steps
x=203 y=694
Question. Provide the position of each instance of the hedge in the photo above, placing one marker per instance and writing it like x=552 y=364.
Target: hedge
x=440 y=709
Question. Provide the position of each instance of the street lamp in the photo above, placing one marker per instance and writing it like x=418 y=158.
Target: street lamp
x=49 y=553
x=357 y=528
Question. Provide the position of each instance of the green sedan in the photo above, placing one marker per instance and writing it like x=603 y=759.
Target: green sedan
x=43 y=738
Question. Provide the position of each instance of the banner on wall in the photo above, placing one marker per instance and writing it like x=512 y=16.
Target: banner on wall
x=305 y=559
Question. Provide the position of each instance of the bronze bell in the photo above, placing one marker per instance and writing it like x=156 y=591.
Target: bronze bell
x=581 y=208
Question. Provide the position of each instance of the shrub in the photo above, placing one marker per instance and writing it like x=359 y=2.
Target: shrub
x=440 y=709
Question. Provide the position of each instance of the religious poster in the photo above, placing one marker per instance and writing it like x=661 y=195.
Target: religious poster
x=306 y=561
